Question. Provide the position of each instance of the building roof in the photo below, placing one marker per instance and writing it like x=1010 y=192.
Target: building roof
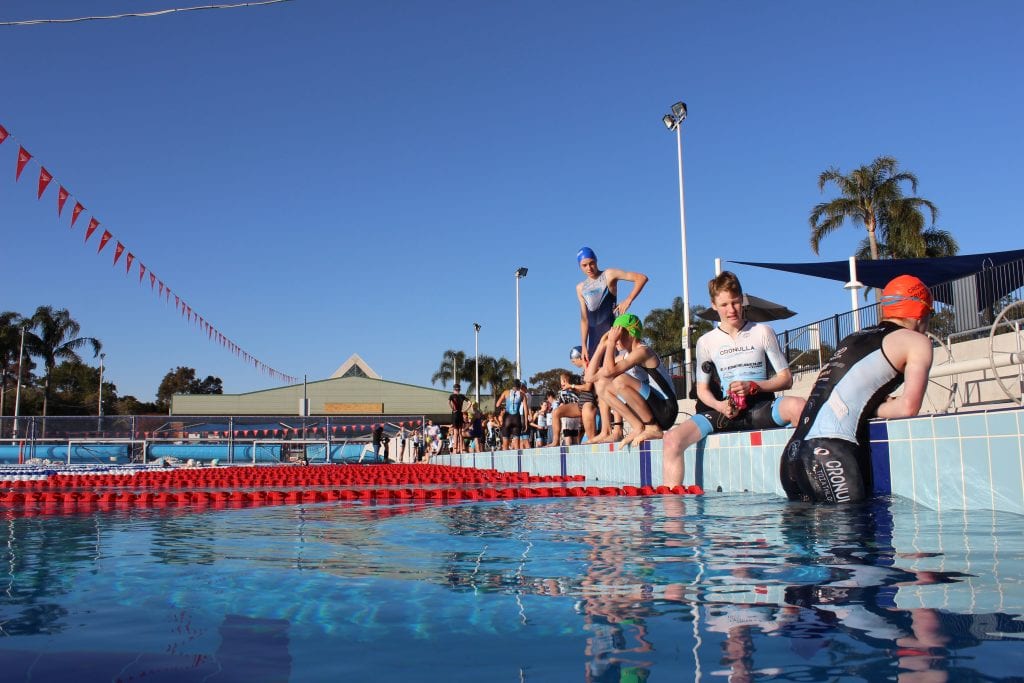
x=355 y=367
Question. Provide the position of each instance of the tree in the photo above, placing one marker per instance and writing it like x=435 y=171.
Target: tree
x=75 y=389
x=129 y=405
x=663 y=328
x=872 y=196
x=53 y=337
x=496 y=373
x=10 y=345
x=453 y=364
x=182 y=380
x=550 y=380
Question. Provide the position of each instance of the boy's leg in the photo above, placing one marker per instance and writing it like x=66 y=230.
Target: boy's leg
x=677 y=440
x=588 y=413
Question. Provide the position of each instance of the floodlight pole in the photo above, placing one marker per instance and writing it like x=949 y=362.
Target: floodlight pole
x=476 y=352
x=17 y=392
x=673 y=121
x=520 y=274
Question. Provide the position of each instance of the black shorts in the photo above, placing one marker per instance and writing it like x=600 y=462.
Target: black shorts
x=458 y=420
x=758 y=415
x=665 y=410
x=825 y=471
x=511 y=426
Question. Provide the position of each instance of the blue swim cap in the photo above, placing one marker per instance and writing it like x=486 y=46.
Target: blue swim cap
x=585 y=252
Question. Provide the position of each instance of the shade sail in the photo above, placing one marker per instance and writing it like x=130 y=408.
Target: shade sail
x=931 y=271
x=755 y=309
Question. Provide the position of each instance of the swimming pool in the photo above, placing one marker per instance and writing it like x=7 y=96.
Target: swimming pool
x=570 y=589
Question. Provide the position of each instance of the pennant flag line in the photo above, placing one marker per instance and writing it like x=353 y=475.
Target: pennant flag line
x=120 y=249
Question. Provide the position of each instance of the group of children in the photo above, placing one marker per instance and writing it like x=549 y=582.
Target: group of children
x=739 y=369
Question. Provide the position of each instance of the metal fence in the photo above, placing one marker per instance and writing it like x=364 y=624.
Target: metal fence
x=964 y=308
x=141 y=438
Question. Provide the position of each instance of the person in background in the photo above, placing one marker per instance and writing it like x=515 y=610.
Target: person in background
x=741 y=352
x=376 y=439
x=598 y=297
x=455 y=402
x=828 y=460
x=514 y=401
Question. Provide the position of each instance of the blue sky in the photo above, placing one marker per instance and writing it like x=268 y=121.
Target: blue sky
x=319 y=178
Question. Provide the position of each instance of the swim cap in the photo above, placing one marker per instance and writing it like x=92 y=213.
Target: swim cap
x=585 y=252
x=906 y=297
x=630 y=323
x=575 y=353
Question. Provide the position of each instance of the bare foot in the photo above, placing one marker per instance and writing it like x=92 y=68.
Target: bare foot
x=646 y=434
x=603 y=438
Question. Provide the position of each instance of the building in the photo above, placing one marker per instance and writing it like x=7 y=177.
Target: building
x=353 y=389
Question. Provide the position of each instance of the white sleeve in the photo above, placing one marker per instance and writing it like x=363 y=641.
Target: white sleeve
x=772 y=349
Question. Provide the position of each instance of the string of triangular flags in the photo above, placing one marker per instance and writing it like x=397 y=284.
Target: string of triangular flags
x=157 y=285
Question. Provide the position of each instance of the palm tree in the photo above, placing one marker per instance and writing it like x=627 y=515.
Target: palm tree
x=663 y=327
x=871 y=196
x=53 y=337
x=453 y=366
x=496 y=373
x=10 y=345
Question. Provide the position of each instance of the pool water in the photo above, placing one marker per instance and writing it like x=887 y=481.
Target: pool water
x=664 y=588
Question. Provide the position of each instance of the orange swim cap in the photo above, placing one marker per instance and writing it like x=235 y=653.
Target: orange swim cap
x=906 y=297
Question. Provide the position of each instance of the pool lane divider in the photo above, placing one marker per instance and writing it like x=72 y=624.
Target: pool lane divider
x=89 y=492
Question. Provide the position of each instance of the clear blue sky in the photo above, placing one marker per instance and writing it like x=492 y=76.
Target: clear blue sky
x=320 y=178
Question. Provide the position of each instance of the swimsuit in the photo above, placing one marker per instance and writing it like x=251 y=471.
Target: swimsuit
x=827 y=459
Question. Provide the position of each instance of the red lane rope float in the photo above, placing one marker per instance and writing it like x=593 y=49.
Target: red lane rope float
x=222 y=487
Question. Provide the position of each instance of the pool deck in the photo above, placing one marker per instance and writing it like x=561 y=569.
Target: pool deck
x=969 y=461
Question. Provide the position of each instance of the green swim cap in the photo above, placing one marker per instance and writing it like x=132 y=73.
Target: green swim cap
x=631 y=324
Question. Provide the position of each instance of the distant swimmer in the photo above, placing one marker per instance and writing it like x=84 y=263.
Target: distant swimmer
x=828 y=459
x=741 y=352
x=598 y=297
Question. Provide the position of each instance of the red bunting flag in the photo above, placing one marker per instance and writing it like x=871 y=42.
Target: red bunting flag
x=118 y=250
x=104 y=239
x=3 y=134
x=176 y=302
x=44 y=181
x=142 y=271
x=161 y=292
x=62 y=196
x=128 y=262
x=93 y=224
x=23 y=157
x=76 y=212
x=152 y=279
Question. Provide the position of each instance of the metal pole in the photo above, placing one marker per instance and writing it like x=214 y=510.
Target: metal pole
x=854 y=285
x=17 y=392
x=686 y=280
x=476 y=351
x=519 y=370
x=99 y=407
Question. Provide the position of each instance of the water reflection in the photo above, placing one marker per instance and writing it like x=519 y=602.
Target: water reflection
x=615 y=589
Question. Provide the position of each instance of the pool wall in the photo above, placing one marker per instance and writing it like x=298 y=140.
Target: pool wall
x=969 y=461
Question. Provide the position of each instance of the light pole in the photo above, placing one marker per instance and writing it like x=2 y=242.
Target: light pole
x=520 y=274
x=476 y=351
x=99 y=407
x=17 y=392
x=674 y=121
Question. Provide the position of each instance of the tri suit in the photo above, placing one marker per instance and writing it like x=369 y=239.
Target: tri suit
x=828 y=459
x=600 y=302
x=745 y=358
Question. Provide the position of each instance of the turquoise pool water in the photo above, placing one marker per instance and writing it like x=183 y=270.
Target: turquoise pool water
x=720 y=587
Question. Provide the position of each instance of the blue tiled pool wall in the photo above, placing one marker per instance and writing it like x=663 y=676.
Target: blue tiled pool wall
x=946 y=462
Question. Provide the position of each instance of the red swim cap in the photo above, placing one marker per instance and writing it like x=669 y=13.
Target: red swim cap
x=906 y=297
